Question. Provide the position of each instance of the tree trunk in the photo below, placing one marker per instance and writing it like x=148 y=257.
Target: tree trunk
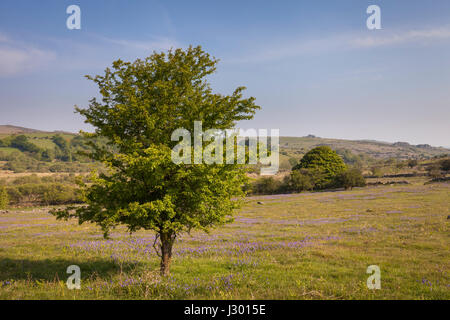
x=167 y=241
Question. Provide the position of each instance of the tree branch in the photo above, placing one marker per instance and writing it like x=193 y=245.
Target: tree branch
x=154 y=245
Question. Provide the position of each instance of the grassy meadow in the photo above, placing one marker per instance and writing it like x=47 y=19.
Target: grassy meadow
x=297 y=246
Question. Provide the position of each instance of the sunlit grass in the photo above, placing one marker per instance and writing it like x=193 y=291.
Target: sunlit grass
x=307 y=246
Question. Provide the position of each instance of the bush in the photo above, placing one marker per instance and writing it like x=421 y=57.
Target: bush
x=50 y=190
x=304 y=179
x=325 y=161
x=350 y=178
x=21 y=142
x=43 y=194
x=412 y=163
x=445 y=165
x=19 y=162
x=434 y=171
x=4 y=198
x=32 y=178
x=60 y=142
x=377 y=172
x=58 y=193
x=267 y=185
x=14 y=195
x=293 y=161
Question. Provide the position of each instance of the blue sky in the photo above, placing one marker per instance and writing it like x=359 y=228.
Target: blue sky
x=313 y=66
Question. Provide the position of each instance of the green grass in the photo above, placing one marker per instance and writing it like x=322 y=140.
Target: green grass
x=43 y=143
x=41 y=139
x=307 y=246
x=8 y=151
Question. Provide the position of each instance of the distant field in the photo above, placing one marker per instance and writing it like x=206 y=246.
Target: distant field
x=290 y=147
x=43 y=143
x=303 y=246
x=7 y=150
x=9 y=175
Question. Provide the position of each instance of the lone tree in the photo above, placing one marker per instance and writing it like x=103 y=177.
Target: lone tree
x=142 y=103
x=324 y=160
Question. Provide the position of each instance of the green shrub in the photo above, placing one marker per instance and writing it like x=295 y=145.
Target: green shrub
x=14 y=195
x=51 y=190
x=32 y=178
x=4 y=198
x=445 y=165
x=58 y=193
x=21 y=142
x=303 y=180
x=434 y=171
x=377 y=172
x=267 y=185
x=293 y=161
x=325 y=161
x=412 y=163
x=60 y=142
x=350 y=178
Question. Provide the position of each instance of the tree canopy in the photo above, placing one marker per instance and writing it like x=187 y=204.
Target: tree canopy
x=142 y=103
x=325 y=160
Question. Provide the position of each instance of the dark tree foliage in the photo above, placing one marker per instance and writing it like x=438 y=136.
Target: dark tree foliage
x=412 y=163
x=322 y=159
x=350 y=178
x=445 y=165
x=22 y=143
x=4 y=198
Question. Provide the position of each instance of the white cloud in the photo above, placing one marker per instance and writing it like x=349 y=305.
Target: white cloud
x=403 y=37
x=288 y=49
x=18 y=58
x=293 y=47
x=157 y=44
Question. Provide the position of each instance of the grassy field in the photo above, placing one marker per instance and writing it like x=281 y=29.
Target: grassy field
x=8 y=151
x=304 y=246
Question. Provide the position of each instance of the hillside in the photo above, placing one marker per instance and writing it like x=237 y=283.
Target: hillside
x=30 y=150
x=9 y=129
x=294 y=146
x=40 y=150
x=291 y=145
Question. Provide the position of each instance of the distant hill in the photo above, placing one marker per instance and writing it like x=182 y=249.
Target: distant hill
x=290 y=147
x=374 y=149
x=9 y=129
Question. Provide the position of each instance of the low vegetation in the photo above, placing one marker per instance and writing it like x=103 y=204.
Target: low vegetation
x=4 y=198
x=45 y=153
x=299 y=246
x=33 y=190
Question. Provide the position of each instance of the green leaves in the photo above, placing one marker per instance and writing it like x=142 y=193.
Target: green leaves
x=4 y=198
x=324 y=161
x=145 y=101
x=142 y=103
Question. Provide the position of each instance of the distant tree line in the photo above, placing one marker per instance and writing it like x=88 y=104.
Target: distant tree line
x=321 y=168
x=35 y=190
x=67 y=155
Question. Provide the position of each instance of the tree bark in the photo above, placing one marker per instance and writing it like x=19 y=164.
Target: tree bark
x=167 y=241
